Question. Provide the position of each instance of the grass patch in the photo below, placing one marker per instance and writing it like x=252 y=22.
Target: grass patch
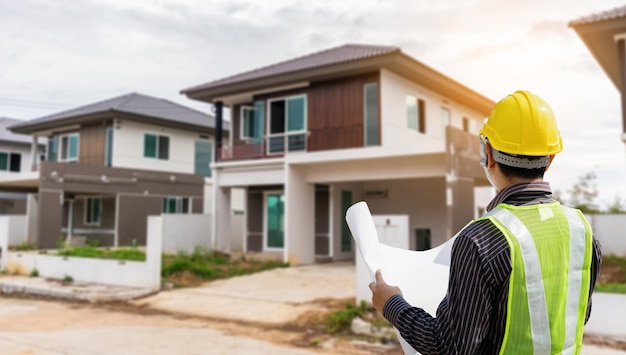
x=340 y=321
x=103 y=253
x=612 y=277
x=186 y=269
x=611 y=288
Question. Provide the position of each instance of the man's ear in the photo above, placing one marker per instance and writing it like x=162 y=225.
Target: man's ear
x=490 y=161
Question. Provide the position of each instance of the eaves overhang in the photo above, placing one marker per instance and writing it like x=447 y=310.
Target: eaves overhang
x=97 y=117
x=600 y=38
x=396 y=62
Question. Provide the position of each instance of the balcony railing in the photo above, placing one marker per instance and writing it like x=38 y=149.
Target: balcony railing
x=274 y=145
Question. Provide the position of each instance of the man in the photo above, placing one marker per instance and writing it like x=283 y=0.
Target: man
x=521 y=277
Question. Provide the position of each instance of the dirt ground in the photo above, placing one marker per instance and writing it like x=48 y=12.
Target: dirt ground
x=305 y=333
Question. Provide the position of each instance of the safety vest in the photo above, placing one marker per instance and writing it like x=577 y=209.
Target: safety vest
x=551 y=247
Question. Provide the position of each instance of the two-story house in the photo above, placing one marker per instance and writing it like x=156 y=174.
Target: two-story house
x=315 y=134
x=16 y=155
x=110 y=164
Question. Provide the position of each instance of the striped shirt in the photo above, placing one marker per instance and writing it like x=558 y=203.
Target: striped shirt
x=471 y=319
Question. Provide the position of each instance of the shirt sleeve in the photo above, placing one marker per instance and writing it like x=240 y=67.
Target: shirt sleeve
x=596 y=262
x=462 y=321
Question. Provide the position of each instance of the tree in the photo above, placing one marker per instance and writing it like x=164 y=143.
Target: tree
x=584 y=192
x=617 y=206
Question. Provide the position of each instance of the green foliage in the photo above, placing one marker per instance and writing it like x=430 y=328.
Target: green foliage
x=611 y=288
x=92 y=242
x=34 y=273
x=25 y=246
x=340 y=320
x=68 y=279
x=61 y=242
x=617 y=207
x=101 y=253
x=211 y=265
x=584 y=192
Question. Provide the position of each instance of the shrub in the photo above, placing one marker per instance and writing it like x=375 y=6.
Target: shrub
x=340 y=320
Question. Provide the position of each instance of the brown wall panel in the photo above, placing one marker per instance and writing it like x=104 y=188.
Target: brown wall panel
x=335 y=113
x=50 y=218
x=92 y=144
x=140 y=207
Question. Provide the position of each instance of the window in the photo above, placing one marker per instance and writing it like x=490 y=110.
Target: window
x=203 y=157
x=346 y=235
x=287 y=125
x=415 y=117
x=421 y=115
x=10 y=162
x=68 y=147
x=108 y=147
x=247 y=124
x=370 y=99
x=52 y=148
x=177 y=205
x=93 y=211
x=155 y=146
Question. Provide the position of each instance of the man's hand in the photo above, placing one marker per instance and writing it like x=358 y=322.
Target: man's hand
x=381 y=292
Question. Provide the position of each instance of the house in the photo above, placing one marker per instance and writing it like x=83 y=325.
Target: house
x=604 y=34
x=315 y=134
x=112 y=163
x=16 y=153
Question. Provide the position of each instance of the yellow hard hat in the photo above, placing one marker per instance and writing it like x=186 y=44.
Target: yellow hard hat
x=523 y=124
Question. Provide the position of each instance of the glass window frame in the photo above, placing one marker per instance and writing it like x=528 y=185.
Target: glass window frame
x=159 y=140
x=64 y=147
x=92 y=215
x=285 y=138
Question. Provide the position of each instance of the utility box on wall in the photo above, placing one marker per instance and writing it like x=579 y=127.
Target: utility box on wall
x=392 y=230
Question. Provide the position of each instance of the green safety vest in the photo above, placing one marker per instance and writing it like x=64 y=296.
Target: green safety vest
x=551 y=248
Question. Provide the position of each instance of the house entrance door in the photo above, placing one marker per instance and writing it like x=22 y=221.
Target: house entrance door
x=274 y=220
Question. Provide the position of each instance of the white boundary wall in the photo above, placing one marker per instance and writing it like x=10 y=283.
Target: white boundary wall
x=146 y=274
x=610 y=230
x=166 y=233
x=185 y=232
x=13 y=227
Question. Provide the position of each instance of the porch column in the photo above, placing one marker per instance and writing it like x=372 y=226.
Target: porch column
x=219 y=118
x=299 y=217
x=70 y=221
x=34 y=153
x=220 y=239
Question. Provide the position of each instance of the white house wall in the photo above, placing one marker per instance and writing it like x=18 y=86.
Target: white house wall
x=128 y=140
x=423 y=200
x=251 y=174
x=394 y=90
x=25 y=160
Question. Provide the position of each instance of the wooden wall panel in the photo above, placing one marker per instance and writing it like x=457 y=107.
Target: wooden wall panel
x=92 y=144
x=335 y=113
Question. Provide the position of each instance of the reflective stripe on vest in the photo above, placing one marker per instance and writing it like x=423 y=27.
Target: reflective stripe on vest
x=529 y=327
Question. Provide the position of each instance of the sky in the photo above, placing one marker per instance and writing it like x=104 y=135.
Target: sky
x=60 y=54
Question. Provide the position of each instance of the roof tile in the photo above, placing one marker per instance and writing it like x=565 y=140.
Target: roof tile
x=342 y=54
x=617 y=12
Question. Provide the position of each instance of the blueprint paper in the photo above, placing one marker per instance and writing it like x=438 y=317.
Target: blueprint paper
x=421 y=275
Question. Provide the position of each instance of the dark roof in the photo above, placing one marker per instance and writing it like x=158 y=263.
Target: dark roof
x=342 y=54
x=601 y=16
x=335 y=63
x=133 y=103
x=8 y=136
